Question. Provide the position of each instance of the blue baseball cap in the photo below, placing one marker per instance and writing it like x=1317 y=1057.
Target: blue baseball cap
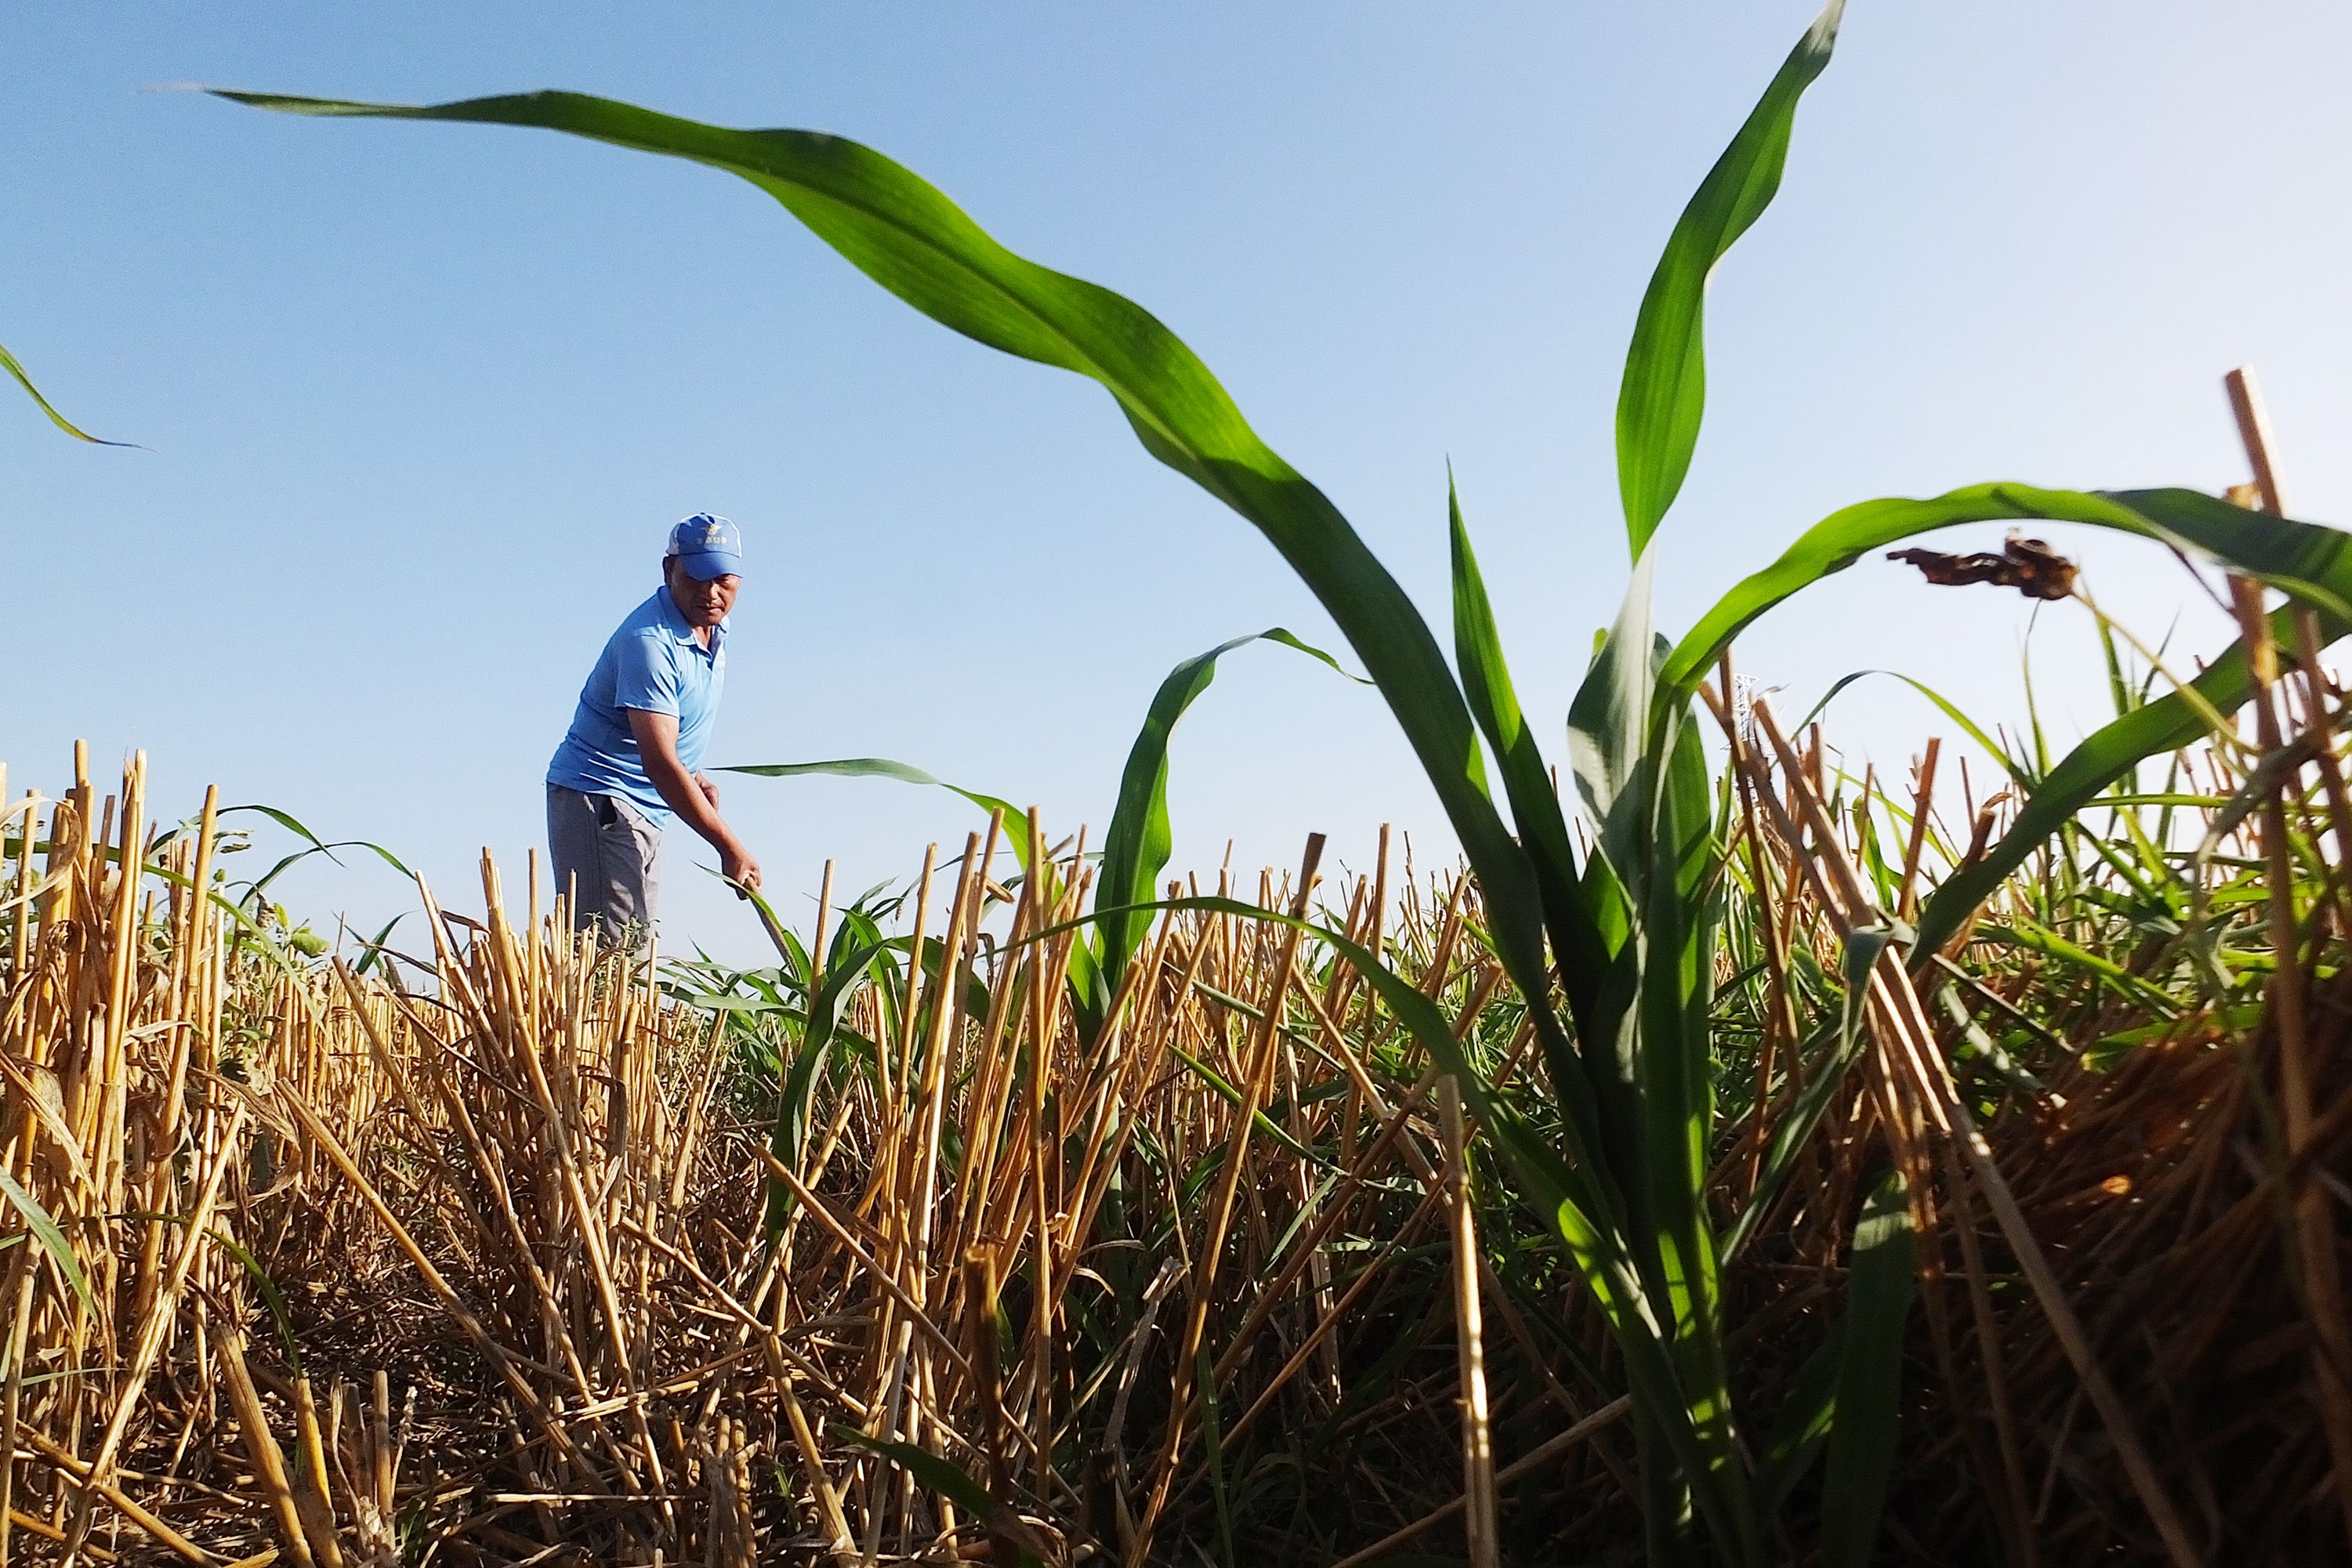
x=707 y=546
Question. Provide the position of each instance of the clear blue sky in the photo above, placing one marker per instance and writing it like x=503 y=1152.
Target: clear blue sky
x=420 y=400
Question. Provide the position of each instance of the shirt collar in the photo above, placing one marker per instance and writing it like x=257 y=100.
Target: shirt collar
x=674 y=623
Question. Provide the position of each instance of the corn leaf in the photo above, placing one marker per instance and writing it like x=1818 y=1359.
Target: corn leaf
x=1213 y=1451
x=271 y=1296
x=2107 y=754
x=1860 y=1456
x=1571 y=1194
x=872 y=768
x=1587 y=916
x=45 y=1231
x=948 y=1480
x=2311 y=562
x=2306 y=561
x=1664 y=394
x=317 y=844
x=276 y=952
x=1609 y=757
x=908 y=236
x=1646 y=1042
x=906 y=773
x=1950 y=709
x=796 y=1100
x=1267 y=1125
x=371 y=951
x=8 y=362
x=1577 y=940
x=1802 y=1426
x=1677 y=1099
x=1609 y=726
x=1644 y=777
x=1137 y=844
x=952 y=1481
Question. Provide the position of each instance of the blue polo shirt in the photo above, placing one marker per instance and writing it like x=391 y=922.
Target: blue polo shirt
x=653 y=662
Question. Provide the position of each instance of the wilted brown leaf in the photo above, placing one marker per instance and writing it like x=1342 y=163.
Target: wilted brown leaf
x=2030 y=566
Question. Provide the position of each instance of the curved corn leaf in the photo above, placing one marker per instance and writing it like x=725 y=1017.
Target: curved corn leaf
x=271 y=1296
x=780 y=939
x=906 y=773
x=1950 y=710
x=2110 y=752
x=1879 y=1288
x=908 y=236
x=2015 y=930
x=255 y=888
x=2305 y=560
x=1577 y=942
x=2309 y=561
x=269 y=949
x=1222 y=1088
x=1088 y=994
x=372 y=951
x=1664 y=394
x=948 y=1480
x=317 y=845
x=9 y=364
x=796 y=1097
x=1137 y=844
x=45 y=1231
x=1802 y=1425
x=952 y=1481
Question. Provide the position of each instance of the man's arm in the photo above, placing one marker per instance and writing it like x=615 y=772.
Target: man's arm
x=694 y=800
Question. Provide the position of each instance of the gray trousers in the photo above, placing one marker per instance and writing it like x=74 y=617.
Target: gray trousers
x=607 y=858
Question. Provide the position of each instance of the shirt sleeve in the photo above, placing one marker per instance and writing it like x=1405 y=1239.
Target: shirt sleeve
x=644 y=676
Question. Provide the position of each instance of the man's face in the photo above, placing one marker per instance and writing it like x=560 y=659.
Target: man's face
x=702 y=603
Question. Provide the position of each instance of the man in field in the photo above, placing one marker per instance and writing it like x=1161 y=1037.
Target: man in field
x=637 y=736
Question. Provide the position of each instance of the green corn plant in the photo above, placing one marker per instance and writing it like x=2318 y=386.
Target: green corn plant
x=1612 y=951
x=1135 y=848
x=787 y=1020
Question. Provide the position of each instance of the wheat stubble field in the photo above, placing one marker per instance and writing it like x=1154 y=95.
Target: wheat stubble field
x=1738 y=1156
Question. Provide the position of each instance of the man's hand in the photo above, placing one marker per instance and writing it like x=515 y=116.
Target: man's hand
x=736 y=864
x=691 y=795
